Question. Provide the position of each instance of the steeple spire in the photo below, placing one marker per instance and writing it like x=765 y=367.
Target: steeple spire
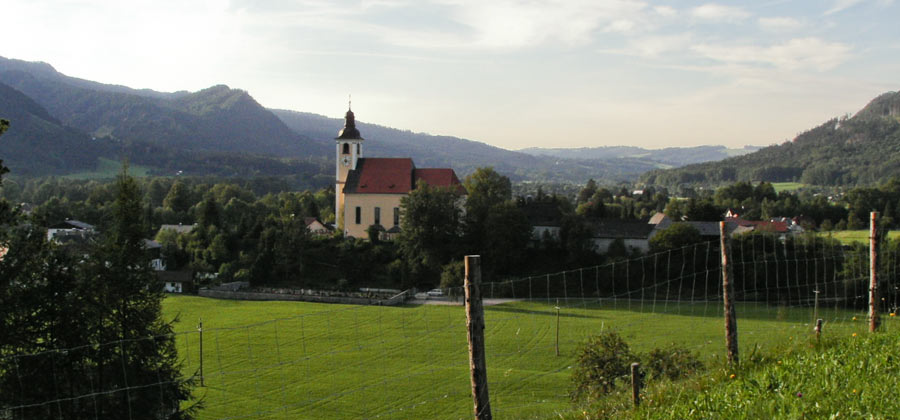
x=349 y=132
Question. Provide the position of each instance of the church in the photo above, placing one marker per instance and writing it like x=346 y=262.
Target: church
x=368 y=190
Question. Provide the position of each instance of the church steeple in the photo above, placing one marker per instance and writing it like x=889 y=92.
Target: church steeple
x=349 y=132
x=349 y=152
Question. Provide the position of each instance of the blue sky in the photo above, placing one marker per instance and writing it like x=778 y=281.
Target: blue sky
x=509 y=73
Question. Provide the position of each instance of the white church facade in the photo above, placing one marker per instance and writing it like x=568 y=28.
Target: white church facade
x=368 y=190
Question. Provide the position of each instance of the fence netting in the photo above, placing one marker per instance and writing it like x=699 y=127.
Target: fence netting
x=304 y=360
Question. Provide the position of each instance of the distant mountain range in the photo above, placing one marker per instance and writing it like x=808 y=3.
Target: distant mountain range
x=62 y=125
x=860 y=150
x=672 y=156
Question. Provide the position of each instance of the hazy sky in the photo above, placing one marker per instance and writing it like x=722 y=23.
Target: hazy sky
x=509 y=73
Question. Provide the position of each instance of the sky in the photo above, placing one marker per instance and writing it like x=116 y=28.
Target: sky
x=513 y=74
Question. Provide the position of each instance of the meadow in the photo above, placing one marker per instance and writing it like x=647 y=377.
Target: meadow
x=787 y=186
x=293 y=360
x=848 y=237
x=108 y=169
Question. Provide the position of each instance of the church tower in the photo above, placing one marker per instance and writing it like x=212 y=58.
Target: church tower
x=348 y=152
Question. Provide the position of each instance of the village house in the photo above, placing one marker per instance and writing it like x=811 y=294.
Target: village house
x=70 y=229
x=545 y=219
x=368 y=190
x=316 y=227
x=635 y=234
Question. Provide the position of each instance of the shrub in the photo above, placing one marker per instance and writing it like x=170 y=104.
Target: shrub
x=602 y=360
x=671 y=362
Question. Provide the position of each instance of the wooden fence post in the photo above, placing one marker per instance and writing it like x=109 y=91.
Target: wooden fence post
x=873 y=273
x=818 y=329
x=200 y=329
x=731 y=337
x=475 y=325
x=557 y=327
x=636 y=383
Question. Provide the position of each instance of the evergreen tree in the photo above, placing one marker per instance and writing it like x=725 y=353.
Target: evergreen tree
x=87 y=335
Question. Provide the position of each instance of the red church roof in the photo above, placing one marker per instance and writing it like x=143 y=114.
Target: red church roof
x=440 y=177
x=395 y=176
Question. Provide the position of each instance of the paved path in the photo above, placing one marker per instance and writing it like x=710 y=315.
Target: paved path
x=458 y=302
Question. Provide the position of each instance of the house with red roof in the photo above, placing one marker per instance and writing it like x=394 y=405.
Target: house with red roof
x=368 y=190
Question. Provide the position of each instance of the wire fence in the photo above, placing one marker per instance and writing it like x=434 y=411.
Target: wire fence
x=306 y=360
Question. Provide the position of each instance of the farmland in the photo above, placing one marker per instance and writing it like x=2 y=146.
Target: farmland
x=302 y=360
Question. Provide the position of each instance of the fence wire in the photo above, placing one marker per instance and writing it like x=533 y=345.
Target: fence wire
x=379 y=362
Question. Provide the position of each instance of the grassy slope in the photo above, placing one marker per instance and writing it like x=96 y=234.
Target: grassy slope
x=108 y=168
x=335 y=361
x=849 y=236
x=846 y=376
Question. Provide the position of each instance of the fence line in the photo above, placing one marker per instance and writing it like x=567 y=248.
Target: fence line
x=410 y=361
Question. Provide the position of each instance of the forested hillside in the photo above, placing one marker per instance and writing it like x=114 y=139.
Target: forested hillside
x=859 y=150
x=38 y=143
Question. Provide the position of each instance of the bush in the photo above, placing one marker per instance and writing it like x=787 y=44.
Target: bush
x=602 y=360
x=671 y=362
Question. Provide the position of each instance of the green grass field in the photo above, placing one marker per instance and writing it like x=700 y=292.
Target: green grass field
x=847 y=237
x=787 y=186
x=108 y=168
x=291 y=360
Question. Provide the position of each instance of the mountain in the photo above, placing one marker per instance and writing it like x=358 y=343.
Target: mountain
x=63 y=124
x=38 y=143
x=672 y=156
x=465 y=156
x=860 y=150
x=216 y=119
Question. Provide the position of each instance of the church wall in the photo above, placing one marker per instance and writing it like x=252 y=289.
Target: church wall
x=367 y=204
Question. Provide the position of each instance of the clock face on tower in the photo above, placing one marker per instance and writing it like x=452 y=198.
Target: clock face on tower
x=346 y=160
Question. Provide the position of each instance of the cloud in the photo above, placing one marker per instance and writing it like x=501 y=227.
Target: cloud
x=841 y=5
x=780 y=23
x=654 y=46
x=796 y=54
x=665 y=11
x=720 y=13
x=516 y=24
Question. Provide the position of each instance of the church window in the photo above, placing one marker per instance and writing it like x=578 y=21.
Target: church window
x=358 y=149
x=396 y=216
x=358 y=215
x=377 y=215
x=346 y=148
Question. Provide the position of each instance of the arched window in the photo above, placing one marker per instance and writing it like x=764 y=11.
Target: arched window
x=357 y=149
x=346 y=149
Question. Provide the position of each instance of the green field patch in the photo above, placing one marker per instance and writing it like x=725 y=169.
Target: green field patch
x=787 y=186
x=297 y=360
x=108 y=168
x=848 y=237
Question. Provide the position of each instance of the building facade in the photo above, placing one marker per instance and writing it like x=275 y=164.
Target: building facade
x=368 y=190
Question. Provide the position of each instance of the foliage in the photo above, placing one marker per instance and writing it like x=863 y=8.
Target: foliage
x=430 y=231
x=494 y=226
x=675 y=236
x=602 y=360
x=672 y=362
x=105 y=308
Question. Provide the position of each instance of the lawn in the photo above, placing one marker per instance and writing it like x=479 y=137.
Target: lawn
x=787 y=186
x=295 y=360
x=847 y=237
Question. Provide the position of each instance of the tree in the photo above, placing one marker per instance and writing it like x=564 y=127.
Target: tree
x=430 y=231
x=179 y=198
x=675 y=236
x=587 y=192
x=4 y=125
x=78 y=329
x=494 y=226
